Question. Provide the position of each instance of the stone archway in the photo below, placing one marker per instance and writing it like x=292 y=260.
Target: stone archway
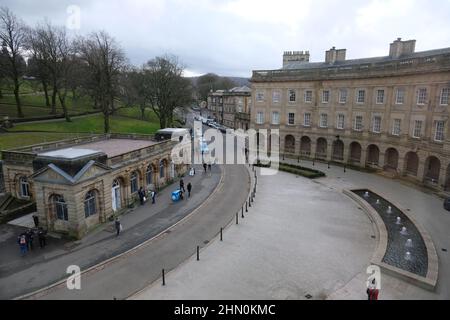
x=391 y=159
x=321 y=149
x=289 y=144
x=305 y=146
x=338 y=150
x=355 y=152
x=373 y=155
x=412 y=163
x=432 y=170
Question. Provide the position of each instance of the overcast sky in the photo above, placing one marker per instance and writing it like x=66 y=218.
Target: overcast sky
x=234 y=37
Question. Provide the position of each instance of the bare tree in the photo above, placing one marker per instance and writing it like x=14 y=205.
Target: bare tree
x=165 y=87
x=54 y=52
x=12 y=35
x=104 y=61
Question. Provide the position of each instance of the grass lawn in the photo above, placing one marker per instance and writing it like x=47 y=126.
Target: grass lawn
x=92 y=124
x=22 y=139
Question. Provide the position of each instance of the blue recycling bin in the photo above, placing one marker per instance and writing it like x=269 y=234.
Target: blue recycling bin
x=176 y=195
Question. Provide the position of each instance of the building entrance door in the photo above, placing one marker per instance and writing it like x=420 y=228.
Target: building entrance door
x=116 y=203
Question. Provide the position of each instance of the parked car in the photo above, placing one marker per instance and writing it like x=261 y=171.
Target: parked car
x=447 y=204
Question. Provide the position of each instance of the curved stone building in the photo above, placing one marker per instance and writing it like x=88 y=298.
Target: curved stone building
x=389 y=113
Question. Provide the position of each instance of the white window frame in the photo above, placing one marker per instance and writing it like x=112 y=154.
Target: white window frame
x=307 y=119
x=444 y=98
x=422 y=95
x=306 y=96
x=417 y=130
x=292 y=93
x=259 y=96
x=323 y=119
x=397 y=127
x=397 y=95
x=343 y=101
x=439 y=131
x=24 y=187
x=383 y=96
x=361 y=124
x=327 y=94
x=276 y=96
x=289 y=119
x=277 y=122
x=260 y=117
x=376 y=124
x=358 y=96
x=340 y=123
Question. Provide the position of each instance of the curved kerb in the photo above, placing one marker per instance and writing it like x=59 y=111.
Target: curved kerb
x=58 y=284
x=429 y=282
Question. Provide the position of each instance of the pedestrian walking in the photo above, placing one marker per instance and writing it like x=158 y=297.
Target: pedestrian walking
x=42 y=238
x=36 y=220
x=209 y=167
x=182 y=185
x=141 y=195
x=29 y=238
x=189 y=189
x=118 y=226
x=204 y=166
x=22 y=241
x=153 y=195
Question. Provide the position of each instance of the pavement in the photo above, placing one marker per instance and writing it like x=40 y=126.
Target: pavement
x=41 y=267
x=305 y=239
x=132 y=272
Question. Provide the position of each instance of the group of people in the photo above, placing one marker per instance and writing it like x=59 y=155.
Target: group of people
x=25 y=240
x=143 y=197
x=207 y=166
x=183 y=190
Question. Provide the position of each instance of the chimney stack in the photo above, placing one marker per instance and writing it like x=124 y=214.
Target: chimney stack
x=335 y=55
x=295 y=56
x=401 y=48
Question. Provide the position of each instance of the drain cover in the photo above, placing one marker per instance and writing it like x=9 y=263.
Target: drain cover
x=373 y=237
x=206 y=242
x=444 y=250
x=308 y=296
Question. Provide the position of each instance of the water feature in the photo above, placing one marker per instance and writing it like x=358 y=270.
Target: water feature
x=404 y=232
x=409 y=254
x=409 y=243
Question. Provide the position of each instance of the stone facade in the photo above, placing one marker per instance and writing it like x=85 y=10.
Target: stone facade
x=231 y=107
x=75 y=195
x=389 y=113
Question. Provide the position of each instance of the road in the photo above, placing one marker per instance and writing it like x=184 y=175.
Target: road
x=121 y=278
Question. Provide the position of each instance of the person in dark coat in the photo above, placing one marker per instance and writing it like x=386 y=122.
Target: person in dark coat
x=118 y=226
x=189 y=189
x=182 y=185
x=141 y=195
x=204 y=166
x=29 y=237
x=42 y=239
x=36 y=220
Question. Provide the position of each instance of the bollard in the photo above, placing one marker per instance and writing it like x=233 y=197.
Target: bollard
x=221 y=234
x=237 y=218
x=328 y=165
x=345 y=169
x=250 y=202
x=242 y=211
x=198 y=253
x=163 y=278
x=313 y=163
x=246 y=206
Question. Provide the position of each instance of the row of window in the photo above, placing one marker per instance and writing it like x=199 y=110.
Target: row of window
x=380 y=96
x=358 y=123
